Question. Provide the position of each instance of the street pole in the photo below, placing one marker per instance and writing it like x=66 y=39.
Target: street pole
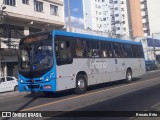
x=154 y=49
x=0 y=66
x=69 y=17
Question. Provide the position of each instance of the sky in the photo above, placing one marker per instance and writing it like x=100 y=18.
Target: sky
x=76 y=10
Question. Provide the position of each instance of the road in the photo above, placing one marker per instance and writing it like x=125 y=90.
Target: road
x=141 y=95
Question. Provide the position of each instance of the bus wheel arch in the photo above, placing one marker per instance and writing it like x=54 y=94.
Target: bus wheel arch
x=81 y=82
x=129 y=75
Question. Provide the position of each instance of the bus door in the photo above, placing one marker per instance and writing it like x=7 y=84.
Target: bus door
x=65 y=67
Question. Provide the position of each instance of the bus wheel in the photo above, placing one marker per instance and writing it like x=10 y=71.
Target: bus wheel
x=128 y=76
x=81 y=84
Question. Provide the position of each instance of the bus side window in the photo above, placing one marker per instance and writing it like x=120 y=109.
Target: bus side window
x=80 y=48
x=64 y=55
x=128 y=51
x=65 y=51
x=118 y=50
x=93 y=48
x=106 y=50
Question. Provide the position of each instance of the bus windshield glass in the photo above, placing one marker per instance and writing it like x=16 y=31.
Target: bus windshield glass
x=36 y=53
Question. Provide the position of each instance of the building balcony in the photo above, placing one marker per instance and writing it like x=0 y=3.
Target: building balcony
x=42 y=15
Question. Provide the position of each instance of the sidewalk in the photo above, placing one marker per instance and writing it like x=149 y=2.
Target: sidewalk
x=13 y=93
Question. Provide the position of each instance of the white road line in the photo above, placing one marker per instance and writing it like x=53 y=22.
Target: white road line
x=158 y=104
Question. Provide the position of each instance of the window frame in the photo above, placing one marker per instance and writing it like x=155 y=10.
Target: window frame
x=38 y=6
x=9 y=2
x=26 y=2
x=55 y=8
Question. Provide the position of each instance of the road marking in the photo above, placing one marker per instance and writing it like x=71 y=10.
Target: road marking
x=87 y=94
x=158 y=104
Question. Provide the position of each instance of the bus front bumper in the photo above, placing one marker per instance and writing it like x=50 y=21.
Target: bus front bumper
x=37 y=87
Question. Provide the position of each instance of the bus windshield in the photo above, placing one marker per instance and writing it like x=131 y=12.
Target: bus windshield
x=36 y=53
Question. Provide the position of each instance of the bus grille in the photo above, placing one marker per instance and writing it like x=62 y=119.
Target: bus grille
x=30 y=81
x=33 y=86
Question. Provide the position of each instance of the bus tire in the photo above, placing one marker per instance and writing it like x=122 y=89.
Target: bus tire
x=81 y=84
x=128 y=76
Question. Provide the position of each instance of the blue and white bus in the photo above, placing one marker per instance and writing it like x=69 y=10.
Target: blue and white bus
x=58 y=60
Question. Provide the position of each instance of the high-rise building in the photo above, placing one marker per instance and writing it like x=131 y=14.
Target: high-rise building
x=135 y=22
x=150 y=16
x=106 y=15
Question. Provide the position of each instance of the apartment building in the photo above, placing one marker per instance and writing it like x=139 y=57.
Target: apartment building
x=24 y=17
x=150 y=16
x=106 y=15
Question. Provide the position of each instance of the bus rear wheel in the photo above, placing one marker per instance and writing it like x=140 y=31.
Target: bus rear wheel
x=128 y=76
x=81 y=84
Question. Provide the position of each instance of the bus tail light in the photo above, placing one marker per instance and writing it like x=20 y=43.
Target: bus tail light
x=47 y=87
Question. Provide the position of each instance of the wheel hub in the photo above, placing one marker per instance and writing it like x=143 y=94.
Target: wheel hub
x=81 y=84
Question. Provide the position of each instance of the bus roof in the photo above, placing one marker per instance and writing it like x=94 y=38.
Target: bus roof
x=58 y=32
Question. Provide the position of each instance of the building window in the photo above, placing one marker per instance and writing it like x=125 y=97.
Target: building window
x=116 y=15
x=104 y=19
x=115 y=2
x=38 y=6
x=25 y=2
x=54 y=10
x=11 y=31
x=10 y=2
x=116 y=8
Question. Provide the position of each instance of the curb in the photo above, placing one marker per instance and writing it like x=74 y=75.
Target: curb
x=11 y=93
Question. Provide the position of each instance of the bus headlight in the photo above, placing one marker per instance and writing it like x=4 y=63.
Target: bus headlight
x=47 y=79
x=21 y=81
x=50 y=76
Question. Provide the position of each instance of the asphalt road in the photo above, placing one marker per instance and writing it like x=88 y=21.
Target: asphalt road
x=101 y=100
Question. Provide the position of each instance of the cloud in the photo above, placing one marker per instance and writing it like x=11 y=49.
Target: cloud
x=76 y=22
x=75 y=10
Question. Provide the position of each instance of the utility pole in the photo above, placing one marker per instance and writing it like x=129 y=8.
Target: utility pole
x=154 y=47
x=2 y=8
x=69 y=17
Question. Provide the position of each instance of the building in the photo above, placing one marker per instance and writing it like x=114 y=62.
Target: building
x=135 y=22
x=106 y=15
x=150 y=16
x=144 y=15
x=23 y=17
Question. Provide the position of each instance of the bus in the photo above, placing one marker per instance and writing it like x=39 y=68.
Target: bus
x=59 y=60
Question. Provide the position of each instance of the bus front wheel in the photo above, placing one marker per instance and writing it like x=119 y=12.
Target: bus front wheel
x=81 y=84
x=129 y=76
